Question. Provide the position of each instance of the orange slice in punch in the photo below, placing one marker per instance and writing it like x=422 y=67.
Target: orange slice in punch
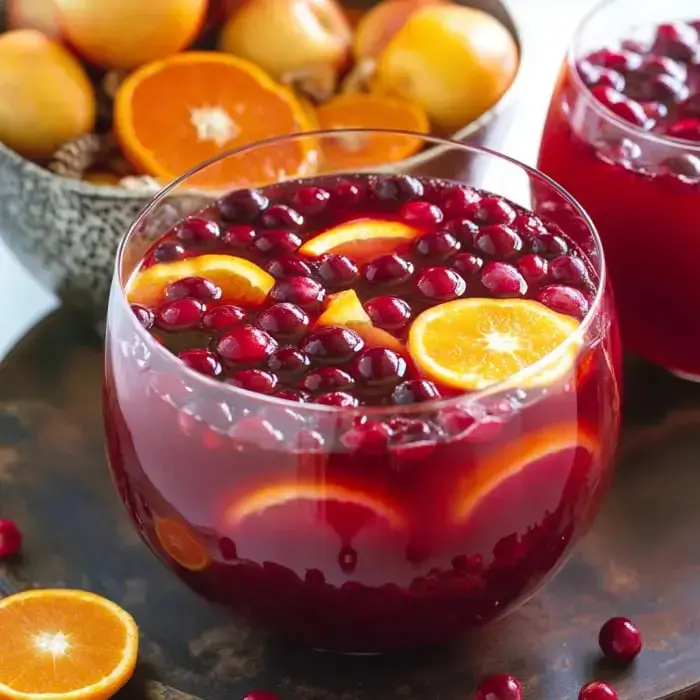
x=535 y=463
x=62 y=644
x=174 y=114
x=345 y=309
x=470 y=344
x=180 y=544
x=325 y=497
x=360 y=110
x=361 y=240
x=241 y=281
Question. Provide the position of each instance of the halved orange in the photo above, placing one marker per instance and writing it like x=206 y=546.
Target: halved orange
x=552 y=449
x=173 y=114
x=241 y=281
x=180 y=544
x=61 y=644
x=470 y=344
x=359 y=110
x=361 y=239
x=323 y=496
x=345 y=309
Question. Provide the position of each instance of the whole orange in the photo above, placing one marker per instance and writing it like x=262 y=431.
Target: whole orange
x=46 y=97
x=128 y=33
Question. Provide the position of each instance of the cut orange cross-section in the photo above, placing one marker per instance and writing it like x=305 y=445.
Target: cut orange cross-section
x=361 y=240
x=277 y=495
x=61 y=644
x=470 y=344
x=177 y=540
x=242 y=282
x=345 y=309
x=553 y=447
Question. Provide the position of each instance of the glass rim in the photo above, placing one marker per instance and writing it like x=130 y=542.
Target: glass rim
x=603 y=111
x=509 y=384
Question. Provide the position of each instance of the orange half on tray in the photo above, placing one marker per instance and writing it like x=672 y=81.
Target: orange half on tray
x=173 y=114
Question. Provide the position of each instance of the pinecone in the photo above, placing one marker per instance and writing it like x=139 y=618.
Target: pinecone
x=77 y=156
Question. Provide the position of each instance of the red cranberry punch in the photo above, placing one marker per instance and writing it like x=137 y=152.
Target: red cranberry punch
x=623 y=136
x=367 y=411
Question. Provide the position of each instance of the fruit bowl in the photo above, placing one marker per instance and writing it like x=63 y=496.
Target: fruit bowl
x=65 y=231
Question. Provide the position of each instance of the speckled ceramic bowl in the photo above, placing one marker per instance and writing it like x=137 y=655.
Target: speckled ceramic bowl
x=66 y=232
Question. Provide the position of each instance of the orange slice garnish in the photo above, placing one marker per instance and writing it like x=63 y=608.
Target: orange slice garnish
x=267 y=498
x=241 y=281
x=509 y=460
x=345 y=309
x=179 y=542
x=173 y=114
x=360 y=110
x=470 y=344
x=361 y=240
x=61 y=644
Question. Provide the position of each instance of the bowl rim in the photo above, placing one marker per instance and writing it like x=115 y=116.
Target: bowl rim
x=514 y=26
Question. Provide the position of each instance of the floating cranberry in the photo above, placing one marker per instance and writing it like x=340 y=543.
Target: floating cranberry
x=437 y=245
x=289 y=362
x=656 y=111
x=407 y=432
x=291 y=395
x=503 y=280
x=688 y=129
x=143 y=315
x=389 y=270
x=618 y=150
x=390 y=313
x=256 y=380
x=678 y=41
x=169 y=251
x=326 y=379
x=261 y=695
x=202 y=361
x=685 y=165
x=10 y=539
x=623 y=61
x=242 y=205
x=332 y=345
x=662 y=65
x=245 y=345
x=464 y=230
x=421 y=214
x=441 y=284
x=548 y=245
x=179 y=315
x=629 y=110
x=285 y=322
x=493 y=210
x=467 y=264
x=401 y=188
x=337 y=270
x=415 y=391
x=533 y=268
x=666 y=89
x=620 y=639
x=282 y=216
x=457 y=201
x=379 y=368
x=597 y=76
x=277 y=241
x=370 y=437
x=597 y=690
x=224 y=316
x=256 y=430
x=345 y=193
x=568 y=270
x=309 y=201
x=305 y=292
x=288 y=266
x=499 y=241
x=565 y=300
x=338 y=399
x=195 y=287
x=500 y=686
x=239 y=237
x=198 y=231
x=526 y=223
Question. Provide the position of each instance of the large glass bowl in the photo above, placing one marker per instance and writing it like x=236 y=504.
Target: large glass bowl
x=257 y=504
x=641 y=189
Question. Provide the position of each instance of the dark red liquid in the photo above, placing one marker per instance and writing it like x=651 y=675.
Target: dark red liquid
x=385 y=519
x=643 y=193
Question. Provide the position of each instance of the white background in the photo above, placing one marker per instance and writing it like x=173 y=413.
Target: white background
x=546 y=27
